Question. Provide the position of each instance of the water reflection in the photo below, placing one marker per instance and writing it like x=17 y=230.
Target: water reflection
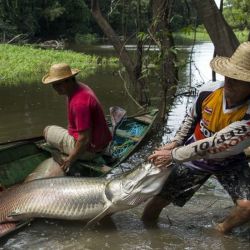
x=26 y=109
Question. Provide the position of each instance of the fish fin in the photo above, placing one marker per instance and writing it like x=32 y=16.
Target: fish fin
x=105 y=212
x=13 y=216
x=16 y=215
x=7 y=228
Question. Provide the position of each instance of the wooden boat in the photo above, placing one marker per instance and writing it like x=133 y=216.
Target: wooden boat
x=19 y=158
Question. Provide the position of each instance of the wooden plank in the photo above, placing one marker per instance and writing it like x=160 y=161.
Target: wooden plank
x=147 y=119
x=124 y=134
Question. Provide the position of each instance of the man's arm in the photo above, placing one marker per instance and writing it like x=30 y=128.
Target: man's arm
x=186 y=129
x=229 y=141
x=162 y=156
x=187 y=126
x=80 y=147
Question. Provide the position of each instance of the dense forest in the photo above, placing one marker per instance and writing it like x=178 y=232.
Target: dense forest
x=53 y=19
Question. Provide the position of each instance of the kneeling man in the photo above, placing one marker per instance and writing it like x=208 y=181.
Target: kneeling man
x=88 y=133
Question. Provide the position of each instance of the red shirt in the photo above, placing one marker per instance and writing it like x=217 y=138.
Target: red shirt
x=85 y=112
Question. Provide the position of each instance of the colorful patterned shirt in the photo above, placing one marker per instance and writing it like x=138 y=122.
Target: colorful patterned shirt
x=213 y=136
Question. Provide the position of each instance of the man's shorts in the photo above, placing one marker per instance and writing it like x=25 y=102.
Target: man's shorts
x=184 y=181
x=59 y=138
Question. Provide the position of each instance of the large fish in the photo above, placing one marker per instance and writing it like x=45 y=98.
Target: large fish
x=80 y=198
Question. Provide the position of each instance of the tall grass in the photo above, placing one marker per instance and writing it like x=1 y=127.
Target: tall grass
x=24 y=64
x=202 y=36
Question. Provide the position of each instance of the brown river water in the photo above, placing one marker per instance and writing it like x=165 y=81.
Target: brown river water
x=26 y=109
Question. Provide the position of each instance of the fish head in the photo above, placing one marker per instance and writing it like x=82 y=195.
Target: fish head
x=141 y=184
x=146 y=179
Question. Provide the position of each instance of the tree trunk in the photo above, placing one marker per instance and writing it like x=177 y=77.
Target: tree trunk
x=123 y=55
x=162 y=13
x=220 y=32
x=139 y=58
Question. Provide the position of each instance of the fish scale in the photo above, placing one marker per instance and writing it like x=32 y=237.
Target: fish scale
x=80 y=198
x=41 y=199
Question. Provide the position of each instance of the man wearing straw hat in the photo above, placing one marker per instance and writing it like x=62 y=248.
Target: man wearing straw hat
x=88 y=132
x=211 y=141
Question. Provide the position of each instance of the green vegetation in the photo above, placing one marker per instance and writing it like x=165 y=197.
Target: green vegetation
x=44 y=19
x=236 y=13
x=185 y=37
x=24 y=64
x=242 y=35
x=53 y=19
x=201 y=35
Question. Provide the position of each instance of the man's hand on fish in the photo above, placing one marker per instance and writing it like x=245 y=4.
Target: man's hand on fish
x=161 y=158
x=66 y=165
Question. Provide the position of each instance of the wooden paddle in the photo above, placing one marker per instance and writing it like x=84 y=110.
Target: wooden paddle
x=117 y=114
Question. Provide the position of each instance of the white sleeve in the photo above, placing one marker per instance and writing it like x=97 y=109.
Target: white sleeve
x=229 y=141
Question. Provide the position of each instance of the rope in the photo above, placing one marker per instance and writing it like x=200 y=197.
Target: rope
x=136 y=129
x=120 y=150
x=120 y=145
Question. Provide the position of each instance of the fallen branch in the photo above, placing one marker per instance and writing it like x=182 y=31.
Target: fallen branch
x=16 y=37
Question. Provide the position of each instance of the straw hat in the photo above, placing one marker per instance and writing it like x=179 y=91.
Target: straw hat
x=58 y=72
x=237 y=66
